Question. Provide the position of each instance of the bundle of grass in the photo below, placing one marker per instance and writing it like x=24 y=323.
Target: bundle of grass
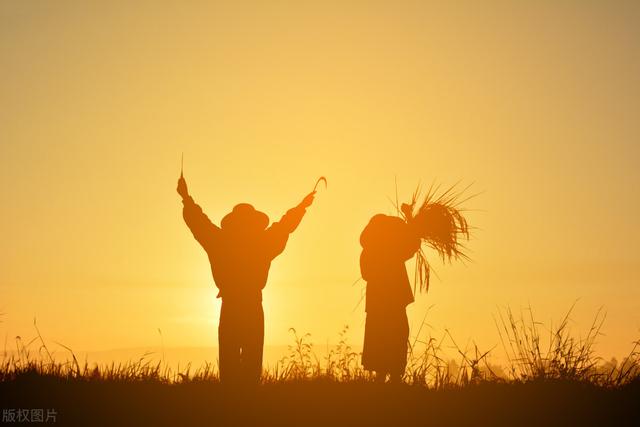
x=439 y=222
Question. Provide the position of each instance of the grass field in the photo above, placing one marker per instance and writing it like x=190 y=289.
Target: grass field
x=324 y=403
x=549 y=379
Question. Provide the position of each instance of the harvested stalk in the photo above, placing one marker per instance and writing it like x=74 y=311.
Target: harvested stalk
x=440 y=224
x=322 y=178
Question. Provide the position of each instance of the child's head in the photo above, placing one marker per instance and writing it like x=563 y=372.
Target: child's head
x=382 y=230
x=245 y=218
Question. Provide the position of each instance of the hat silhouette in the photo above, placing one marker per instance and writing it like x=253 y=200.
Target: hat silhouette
x=382 y=231
x=245 y=216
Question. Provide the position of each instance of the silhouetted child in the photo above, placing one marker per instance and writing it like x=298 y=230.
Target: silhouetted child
x=387 y=242
x=240 y=253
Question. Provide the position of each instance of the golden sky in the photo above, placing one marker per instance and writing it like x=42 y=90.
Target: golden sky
x=537 y=103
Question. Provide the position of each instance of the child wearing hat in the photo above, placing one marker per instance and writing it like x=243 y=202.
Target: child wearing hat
x=387 y=243
x=240 y=252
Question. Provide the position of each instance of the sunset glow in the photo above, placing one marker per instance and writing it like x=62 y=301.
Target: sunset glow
x=537 y=105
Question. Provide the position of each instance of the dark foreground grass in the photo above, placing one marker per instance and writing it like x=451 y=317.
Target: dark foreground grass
x=551 y=378
x=324 y=403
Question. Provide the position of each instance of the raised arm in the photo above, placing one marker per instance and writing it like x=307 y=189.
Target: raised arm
x=390 y=237
x=411 y=242
x=409 y=246
x=204 y=231
x=278 y=233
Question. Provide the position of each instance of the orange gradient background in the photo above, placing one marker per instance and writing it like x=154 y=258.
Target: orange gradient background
x=537 y=103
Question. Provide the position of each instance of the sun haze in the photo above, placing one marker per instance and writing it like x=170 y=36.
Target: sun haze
x=536 y=103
